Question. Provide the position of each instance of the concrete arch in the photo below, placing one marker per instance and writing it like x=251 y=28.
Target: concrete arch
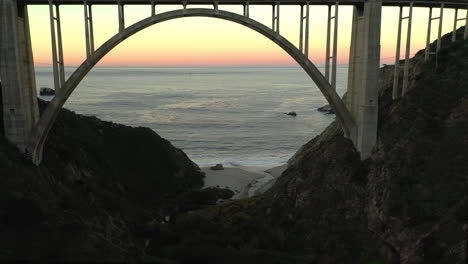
x=47 y=119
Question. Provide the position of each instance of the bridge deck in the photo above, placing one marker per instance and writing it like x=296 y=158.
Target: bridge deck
x=424 y=3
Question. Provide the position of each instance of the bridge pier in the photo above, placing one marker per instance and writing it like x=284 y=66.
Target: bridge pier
x=333 y=57
x=364 y=64
x=18 y=83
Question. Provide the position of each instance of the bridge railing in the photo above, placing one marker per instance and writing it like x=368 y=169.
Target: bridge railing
x=331 y=56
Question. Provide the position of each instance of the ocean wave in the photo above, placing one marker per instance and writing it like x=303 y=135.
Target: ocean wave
x=262 y=162
x=201 y=105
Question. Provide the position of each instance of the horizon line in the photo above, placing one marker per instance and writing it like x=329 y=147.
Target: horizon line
x=195 y=66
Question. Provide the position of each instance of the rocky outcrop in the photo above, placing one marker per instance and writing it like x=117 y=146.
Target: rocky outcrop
x=405 y=204
x=45 y=91
x=327 y=109
x=217 y=167
x=417 y=173
x=408 y=198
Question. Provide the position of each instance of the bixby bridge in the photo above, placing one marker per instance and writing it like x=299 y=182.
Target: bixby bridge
x=358 y=114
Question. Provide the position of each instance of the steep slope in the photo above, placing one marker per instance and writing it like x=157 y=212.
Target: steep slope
x=98 y=186
x=405 y=204
x=417 y=178
x=412 y=190
x=410 y=194
x=146 y=166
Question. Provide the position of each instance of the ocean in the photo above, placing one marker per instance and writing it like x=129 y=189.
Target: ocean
x=229 y=115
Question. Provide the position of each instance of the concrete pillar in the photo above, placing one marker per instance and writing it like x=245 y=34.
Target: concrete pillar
x=334 y=51
x=439 y=34
x=335 y=47
x=465 y=35
x=455 y=20
x=301 y=29
x=396 y=74
x=246 y=9
x=20 y=110
x=428 y=37
x=53 y=45
x=404 y=89
x=327 y=50
x=362 y=96
x=121 y=11
x=153 y=8
x=61 y=62
x=273 y=17
x=278 y=18
x=306 y=41
x=89 y=29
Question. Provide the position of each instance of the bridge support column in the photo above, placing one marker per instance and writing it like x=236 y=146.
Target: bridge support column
x=121 y=11
x=18 y=84
x=275 y=17
x=333 y=58
x=246 y=9
x=404 y=89
x=304 y=39
x=362 y=94
x=465 y=35
x=455 y=20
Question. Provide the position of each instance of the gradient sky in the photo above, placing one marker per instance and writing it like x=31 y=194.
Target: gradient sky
x=211 y=41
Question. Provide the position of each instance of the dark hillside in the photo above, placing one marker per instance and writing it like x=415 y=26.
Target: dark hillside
x=104 y=189
x=417 y=180
x=410 y=195
x=405 y=204
x=98 y=186
x=146 y=167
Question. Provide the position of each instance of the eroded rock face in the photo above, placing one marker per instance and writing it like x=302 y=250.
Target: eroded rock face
x=405 y=204
x=411 y=192
x=320 y=199
x=417 y=174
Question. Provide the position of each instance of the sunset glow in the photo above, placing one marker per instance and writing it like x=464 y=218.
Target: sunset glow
x=210 y=41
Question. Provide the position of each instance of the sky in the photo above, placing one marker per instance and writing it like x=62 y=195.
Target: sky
x=211 y=41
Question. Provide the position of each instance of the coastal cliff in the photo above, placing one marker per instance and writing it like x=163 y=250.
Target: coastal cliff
x=405 y=204
x=108 y=192
x=98 y=185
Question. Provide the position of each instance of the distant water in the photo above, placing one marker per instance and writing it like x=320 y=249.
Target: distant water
x=229 y=115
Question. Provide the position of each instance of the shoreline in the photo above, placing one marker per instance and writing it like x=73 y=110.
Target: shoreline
x=242 y=180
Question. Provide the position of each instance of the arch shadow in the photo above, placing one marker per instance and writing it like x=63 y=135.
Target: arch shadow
x=48 y=117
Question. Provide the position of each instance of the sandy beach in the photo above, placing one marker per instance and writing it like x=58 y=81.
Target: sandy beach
x=244 y=181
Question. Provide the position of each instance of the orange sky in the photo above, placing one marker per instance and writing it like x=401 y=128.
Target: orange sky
x=210 y=41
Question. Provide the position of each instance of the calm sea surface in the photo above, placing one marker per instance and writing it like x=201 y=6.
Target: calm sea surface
x=229 y=115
